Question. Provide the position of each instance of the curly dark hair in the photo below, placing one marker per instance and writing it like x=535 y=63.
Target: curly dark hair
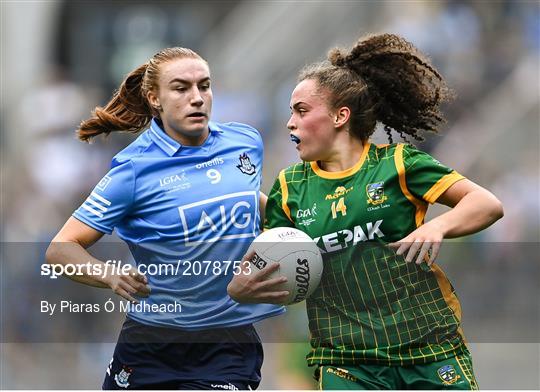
x=383 y=78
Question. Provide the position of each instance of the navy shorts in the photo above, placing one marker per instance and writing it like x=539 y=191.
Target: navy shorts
x=148 y=357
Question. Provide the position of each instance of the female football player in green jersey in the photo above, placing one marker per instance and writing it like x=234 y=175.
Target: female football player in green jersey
x=384 y=315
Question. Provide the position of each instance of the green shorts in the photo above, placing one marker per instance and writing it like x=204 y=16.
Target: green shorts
x=451 y=373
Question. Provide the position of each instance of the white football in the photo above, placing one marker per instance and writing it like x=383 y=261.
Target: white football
x=299 y=259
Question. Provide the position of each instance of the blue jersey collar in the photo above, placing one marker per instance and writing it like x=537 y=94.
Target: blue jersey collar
x=167 y=143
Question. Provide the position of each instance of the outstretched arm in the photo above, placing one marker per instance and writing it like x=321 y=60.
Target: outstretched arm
x=473 y=209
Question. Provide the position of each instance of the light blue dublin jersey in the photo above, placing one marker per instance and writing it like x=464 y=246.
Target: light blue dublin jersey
x=191 y=211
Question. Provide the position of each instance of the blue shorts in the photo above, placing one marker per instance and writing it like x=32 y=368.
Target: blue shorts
x=148 y=357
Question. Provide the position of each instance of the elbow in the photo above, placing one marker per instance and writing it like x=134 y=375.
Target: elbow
x=497 y=210
x=56 y=249
x=51 y=253
x=500 y=210
x=492 y=206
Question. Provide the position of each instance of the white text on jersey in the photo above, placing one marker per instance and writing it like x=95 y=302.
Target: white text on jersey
x=330 y=242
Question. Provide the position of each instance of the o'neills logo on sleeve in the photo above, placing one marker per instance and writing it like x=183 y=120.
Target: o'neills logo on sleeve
x=102 y=184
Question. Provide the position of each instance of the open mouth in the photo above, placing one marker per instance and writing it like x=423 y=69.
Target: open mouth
x=295 y=139
x=197 y=115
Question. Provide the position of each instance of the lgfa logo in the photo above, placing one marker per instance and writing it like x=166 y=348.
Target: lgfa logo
x=174 y=178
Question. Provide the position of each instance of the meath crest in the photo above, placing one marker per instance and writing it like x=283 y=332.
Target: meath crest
x=375 y=193
x=245 y=165
x=448 y=374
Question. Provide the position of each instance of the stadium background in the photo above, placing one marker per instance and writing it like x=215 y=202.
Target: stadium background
x=61 y=58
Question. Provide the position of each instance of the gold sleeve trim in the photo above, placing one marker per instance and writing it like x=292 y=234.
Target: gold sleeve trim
x=421 y=206
x=284 y=194
x=441 y=186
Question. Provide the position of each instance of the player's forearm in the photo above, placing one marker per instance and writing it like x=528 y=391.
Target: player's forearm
x=90 y=271
x=476 y=211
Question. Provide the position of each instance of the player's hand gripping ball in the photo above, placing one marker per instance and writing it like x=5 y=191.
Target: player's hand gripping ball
x=299 y=259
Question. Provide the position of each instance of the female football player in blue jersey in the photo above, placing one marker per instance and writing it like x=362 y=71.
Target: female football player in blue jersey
x=185 y=193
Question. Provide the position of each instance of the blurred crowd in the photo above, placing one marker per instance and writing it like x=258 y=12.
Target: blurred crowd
x=487 y=51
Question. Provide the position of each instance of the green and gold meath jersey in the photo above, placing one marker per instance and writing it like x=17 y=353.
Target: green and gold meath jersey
x=371 y=306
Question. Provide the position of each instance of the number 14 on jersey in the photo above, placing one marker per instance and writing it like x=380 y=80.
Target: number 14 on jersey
x=339 y=206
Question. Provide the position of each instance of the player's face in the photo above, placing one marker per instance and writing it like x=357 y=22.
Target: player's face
x=311 y=124
x=185 y=97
